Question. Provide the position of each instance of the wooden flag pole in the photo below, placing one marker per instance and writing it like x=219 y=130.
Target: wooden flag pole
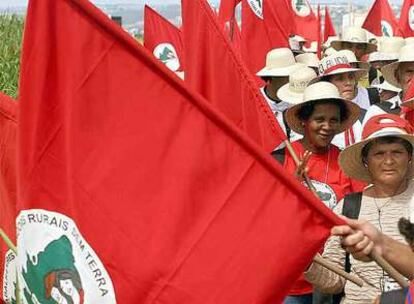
x=318 y=258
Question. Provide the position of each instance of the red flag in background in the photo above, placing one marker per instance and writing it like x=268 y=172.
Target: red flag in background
x=329 y=28
x=319 y=45
x=217 y=72
x=8 y=192
x=163 y=39
x=381 y=20
x=304 y=18
x=406 y=22
x=227 y=19
x=127 y=176
x=263 y=30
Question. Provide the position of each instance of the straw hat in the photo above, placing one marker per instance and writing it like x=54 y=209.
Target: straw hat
x=391 y=46
x=337 y=64
x=292 y=92
x=329 y=40
x=354 y=34
x=294 y=43
x=329 y=51
x=279 y=63
x=409 y=40
x=313 y=48
x=381 y=125
x=408 y=98
x=352 y=59
x=388 y=71
x=309 y=59
x=321 y=91
x=386 y=87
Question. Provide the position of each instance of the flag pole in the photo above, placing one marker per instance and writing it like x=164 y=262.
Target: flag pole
x=8 y=242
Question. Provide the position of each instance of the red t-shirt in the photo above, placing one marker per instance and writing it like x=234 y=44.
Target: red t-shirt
x=330 y=183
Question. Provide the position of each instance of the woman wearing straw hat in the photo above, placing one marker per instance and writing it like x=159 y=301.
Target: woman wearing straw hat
x=383 y=159
x=319 y=117
x=401 y=72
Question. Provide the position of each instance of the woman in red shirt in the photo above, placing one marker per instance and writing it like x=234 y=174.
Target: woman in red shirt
x=321 y=115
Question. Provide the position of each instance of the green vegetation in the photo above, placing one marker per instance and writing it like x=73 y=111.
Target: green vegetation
x=11 y=32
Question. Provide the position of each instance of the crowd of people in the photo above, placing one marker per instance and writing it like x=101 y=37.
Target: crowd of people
x=348 y=118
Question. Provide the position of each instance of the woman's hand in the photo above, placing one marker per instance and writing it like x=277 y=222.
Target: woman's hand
x=302 y=168
x=360 y=238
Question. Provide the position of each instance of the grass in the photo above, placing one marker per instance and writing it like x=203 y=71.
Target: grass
x=11 y=32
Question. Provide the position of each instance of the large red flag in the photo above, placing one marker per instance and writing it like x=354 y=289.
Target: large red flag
x=306 y=22
x=8 y=192
x=163 y=39
x=381 y=20
x=127 y=176
x=406 y=22
x=329 y=28
x=262 y=30
x=218 y=73
x=227 y=10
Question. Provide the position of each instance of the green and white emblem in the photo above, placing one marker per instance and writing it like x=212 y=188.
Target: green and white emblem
x=56 y=265
x=386 y=29
x=301 y=7
x=411 y=17
x=257 y=7
x=168 y=55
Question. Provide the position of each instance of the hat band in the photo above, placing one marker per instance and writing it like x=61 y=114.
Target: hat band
x=337 y=67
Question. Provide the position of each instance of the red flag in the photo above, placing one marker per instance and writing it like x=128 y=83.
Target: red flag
x=381 y=20
x=262 y=30
x=406 y=22
x=218 y=73
x=410 y=294
x=8 y=192
x=304 y=18
x=329 y=28
x=163 y=39
x=227 y=20
x=120 y=163
x=319 y=45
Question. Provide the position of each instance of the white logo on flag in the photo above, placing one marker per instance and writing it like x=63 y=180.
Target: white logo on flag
x=411 y=17
x=386 y=29
x=301 y=7
x=168 y=55
x=56 y=264
x=257 y=7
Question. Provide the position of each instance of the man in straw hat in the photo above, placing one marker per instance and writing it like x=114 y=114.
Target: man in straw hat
x=384 y=160
x=400 y=73
x=280 y=63
x=388 y=51
x=354 y=39
x=320 y=115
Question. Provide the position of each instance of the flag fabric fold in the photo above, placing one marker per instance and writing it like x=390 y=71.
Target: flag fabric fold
x=306 y=22
x=163 y=39
x=219 y=74
x=134 y=189
x=381 y=20
x=406 y=21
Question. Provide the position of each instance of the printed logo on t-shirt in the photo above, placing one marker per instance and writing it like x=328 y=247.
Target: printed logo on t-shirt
x=325 y=193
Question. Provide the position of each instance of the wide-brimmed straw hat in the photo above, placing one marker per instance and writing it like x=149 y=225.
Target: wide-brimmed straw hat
x=309 y=59
x=409 y=40
x=383 y=125
x=388 y=71
x=321 y=91
x=352 y=59
x=299 y=79
x=355 y=35
x=335 y=64
x=386 y=87
x=280 y=62
x=408 y=98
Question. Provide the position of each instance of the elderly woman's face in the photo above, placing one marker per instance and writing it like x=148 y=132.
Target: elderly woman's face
x=346 y=84
x=388 y=163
